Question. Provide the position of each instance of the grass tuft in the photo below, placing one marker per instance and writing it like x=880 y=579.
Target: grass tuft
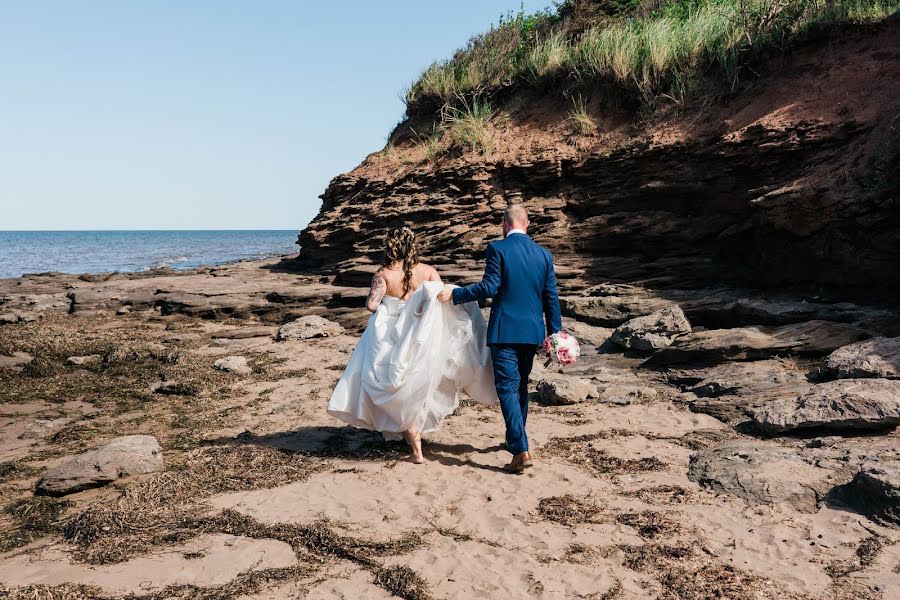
x=581 y=121
x=467 y=125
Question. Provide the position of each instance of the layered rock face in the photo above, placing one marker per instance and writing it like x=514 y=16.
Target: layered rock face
x=792 y=184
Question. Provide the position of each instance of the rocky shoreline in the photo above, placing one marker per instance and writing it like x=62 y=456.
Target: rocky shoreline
x=164 y=436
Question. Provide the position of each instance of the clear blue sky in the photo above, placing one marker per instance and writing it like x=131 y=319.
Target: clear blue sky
x=204 y=114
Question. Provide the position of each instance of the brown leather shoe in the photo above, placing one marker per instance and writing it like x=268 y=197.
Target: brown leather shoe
x=517 y=464
x=529 y=460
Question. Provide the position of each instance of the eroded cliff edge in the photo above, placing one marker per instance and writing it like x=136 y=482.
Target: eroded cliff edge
x=792 y=184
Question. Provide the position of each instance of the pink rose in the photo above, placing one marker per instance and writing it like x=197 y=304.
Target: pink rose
x=548 y=345
x=563 y=356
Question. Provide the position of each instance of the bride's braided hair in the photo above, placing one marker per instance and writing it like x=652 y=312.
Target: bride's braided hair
x=400 y=246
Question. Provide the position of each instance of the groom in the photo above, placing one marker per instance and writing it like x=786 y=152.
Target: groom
x=519 y=277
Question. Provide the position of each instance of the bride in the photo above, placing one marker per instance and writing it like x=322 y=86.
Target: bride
x=416 y=354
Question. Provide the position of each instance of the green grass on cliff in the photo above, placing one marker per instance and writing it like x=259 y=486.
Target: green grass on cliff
x=649 y=48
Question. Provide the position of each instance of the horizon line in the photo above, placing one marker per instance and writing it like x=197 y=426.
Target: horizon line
x=130 y=230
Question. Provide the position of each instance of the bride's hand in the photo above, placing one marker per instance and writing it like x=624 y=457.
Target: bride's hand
x=446 y=294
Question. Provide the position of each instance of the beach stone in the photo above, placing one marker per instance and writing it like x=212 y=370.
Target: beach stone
x=756 y=343
x=173 y=388
x=761 y=475
x=233 y=364
x=609 y=311
x=842 y=405
x=878 y=357
x=625 y=394
x=310 y=326
x=16 y=361
x=123 y=310
x=128 y=455
x=654 y=331
x=18 y=316
x=875 y=490
x=91 y=359
x=565 y=390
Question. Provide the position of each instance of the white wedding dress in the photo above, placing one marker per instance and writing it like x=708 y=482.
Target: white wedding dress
x=412 y=362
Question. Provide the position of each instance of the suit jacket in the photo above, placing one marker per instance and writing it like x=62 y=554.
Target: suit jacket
x=519 y=277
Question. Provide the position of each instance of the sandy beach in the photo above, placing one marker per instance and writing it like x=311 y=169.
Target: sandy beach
x=263 y=495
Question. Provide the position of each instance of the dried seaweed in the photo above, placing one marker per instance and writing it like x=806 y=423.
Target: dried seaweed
x=579 y=450
x=403 y=582
x=661 y=494
x=15 y=469
x=685 y=574
x=649 y=524
x=154 y=510
x=571 y=510
x=33 y=517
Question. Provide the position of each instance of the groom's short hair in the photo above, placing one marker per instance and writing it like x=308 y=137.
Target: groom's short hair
x=515 y=214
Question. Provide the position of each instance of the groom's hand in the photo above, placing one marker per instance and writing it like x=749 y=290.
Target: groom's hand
x=446 y=294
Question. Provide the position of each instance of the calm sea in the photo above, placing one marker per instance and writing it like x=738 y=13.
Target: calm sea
x=98 y=251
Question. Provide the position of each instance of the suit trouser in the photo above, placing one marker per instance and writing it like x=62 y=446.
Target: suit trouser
x=512 y=366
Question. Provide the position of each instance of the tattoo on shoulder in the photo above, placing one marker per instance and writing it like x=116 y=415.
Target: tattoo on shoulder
x=379 y=287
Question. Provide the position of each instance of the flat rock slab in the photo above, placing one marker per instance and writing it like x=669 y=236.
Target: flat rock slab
x=625 y=394
x=242 y=333
x=16 y=361
x=875 y=490
x=654 y=331
x=842 y=405
x=565 y=390
x=878 y=357
x=755 y=343
x=607 y=311
x=746 y=378
x=761 y=475
x=308 y=327
x=587 y=335
x=128 y=455
x=729 y=390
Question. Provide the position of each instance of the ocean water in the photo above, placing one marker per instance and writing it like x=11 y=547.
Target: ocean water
x=99 y=251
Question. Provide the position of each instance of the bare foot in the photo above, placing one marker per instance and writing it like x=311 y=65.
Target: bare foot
x=414 y=439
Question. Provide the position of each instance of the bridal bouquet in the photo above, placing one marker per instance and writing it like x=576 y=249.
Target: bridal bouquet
x=562 y=348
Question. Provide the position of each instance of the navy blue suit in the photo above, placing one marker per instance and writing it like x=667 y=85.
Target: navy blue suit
x=519 y=277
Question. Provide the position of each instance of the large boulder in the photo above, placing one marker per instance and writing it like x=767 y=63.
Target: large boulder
x=878 y=357
x=845 y=404
x=128 y=455
x=756 y=343
x=875 y=490
x=761 y=475
x=654 y=331
x=233 y=364
x=310 y=326
x=565 y=390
